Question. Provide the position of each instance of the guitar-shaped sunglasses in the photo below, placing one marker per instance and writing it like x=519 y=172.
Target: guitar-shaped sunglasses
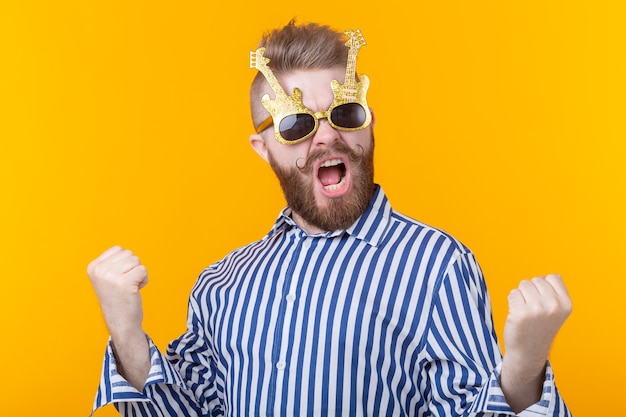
x=293 y=122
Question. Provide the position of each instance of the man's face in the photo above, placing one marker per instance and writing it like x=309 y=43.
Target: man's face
x=328 y=179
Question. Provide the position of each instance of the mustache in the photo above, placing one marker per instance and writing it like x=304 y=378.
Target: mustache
x=306 y=166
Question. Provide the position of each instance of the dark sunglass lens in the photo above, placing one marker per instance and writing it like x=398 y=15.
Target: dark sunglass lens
x=296 y=126
x=349 y=115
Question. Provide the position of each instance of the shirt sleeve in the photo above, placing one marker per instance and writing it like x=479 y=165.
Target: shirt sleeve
x=180 y=383
x=464 y=358
x=491 y=398
x=114 y=388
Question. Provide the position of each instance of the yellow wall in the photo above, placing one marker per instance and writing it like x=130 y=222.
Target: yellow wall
x=127 y=123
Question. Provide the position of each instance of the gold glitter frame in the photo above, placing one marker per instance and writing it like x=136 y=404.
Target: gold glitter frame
x=283 y=105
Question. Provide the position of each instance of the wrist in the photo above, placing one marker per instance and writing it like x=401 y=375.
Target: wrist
x=128 y=336
x=132 y=357
x=524 y=365
x=521 y=381
x=514 y=372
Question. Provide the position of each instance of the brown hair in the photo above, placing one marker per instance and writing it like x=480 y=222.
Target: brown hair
x=297 y=47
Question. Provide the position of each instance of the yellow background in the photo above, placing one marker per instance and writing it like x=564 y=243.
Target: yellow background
x=127 y=122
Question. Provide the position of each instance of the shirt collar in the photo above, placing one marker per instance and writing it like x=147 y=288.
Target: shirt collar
x=370 y=227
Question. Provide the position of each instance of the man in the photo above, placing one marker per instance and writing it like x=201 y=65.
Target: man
x=346 y=307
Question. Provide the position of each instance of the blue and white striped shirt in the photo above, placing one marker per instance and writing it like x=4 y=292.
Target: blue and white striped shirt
x=388 y=318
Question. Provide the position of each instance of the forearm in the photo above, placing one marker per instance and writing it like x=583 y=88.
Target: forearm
x=521 y=381
x=537 y=309
x=132 y=355
x=118 y=277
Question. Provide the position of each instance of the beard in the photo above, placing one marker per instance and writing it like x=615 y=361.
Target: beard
x=339 y=213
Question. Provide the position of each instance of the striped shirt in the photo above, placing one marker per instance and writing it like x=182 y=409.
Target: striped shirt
x=390 y=317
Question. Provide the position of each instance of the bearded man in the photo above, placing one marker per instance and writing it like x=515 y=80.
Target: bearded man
x=346 y=307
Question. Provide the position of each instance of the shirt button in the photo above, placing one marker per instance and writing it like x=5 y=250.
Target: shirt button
x=280 y=365
x=291 y=298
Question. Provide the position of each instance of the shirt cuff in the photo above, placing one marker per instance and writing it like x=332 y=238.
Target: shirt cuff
x=492 y=400
x=115 y=388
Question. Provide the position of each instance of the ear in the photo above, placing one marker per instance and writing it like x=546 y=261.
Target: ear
x=258 y=144
x=373 y=122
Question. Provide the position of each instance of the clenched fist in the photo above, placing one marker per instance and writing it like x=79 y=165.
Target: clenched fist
x=117 y=277
x=537 y=310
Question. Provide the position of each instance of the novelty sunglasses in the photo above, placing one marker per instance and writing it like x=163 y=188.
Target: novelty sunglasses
x=298 y=127
x=293 y=122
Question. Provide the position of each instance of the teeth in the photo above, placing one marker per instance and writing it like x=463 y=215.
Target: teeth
x=331 y=163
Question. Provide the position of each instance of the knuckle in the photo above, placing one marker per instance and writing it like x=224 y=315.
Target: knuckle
x=96 y=272
x=556 y=278
x=553 y=308
x=90 y=268
x=109 y=277
x=566 y=308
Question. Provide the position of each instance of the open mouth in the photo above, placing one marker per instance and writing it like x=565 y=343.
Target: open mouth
x=332 y=174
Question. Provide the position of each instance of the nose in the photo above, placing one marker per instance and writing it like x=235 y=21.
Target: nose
x=326 y=135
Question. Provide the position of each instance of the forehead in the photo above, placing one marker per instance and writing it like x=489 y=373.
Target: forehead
x=303 y=78
x=313 y=83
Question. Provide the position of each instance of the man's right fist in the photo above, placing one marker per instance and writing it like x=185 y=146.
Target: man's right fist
x=117 y=276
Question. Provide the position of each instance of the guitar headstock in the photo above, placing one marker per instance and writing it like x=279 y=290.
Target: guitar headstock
x=356 y=39
x=257 y=60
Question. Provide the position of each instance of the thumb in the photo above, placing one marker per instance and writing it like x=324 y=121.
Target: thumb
x=516 y=300
x=138 y=276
